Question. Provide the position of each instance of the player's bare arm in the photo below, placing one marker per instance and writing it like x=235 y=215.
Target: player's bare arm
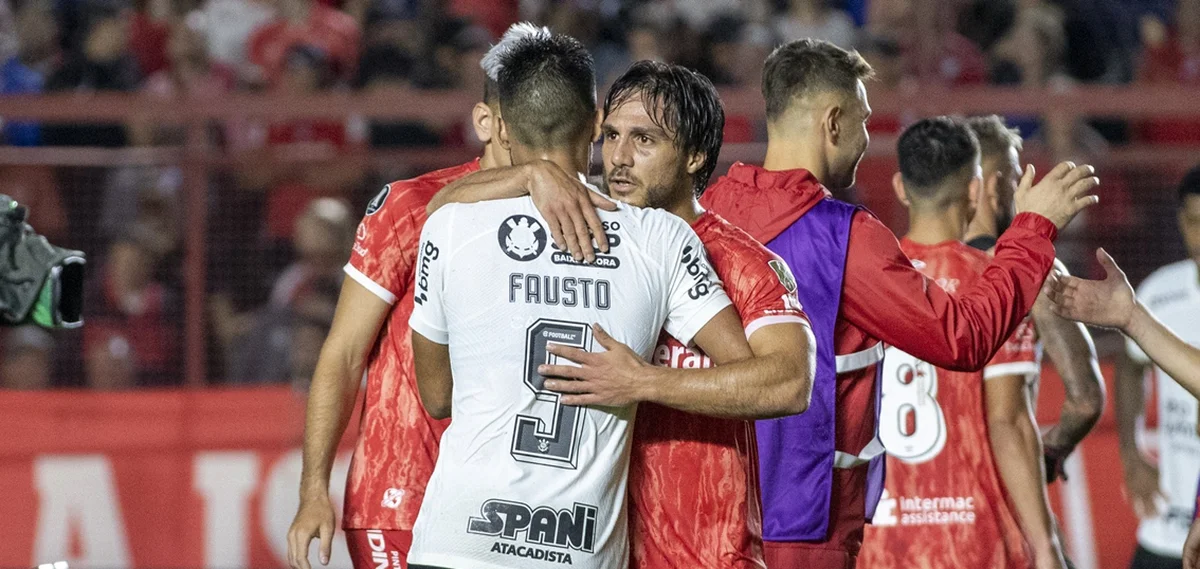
x=1070 y=347
x=1111 y=302
x=1018 y=451
x=568 y=205
x=434 y=381
x=1191 y=547
x=769 y=376
x=359 y=316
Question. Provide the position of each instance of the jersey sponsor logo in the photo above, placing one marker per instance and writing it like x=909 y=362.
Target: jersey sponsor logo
x=522 y=238
x=563 y=529
x=376 y=202
x=700 y=273
x=784 y=273
x=360 y=237
x=919 y=511
x=601 y=262
x=1166 y=298
x=532 y=553
x=677 y=356
x=429 y=254
x=392 y=498
x=379 y=553
x=565 y=291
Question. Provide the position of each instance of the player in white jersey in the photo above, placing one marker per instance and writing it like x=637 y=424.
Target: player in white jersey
x=1172 y=342
x=1164 y=497
x=521 y=478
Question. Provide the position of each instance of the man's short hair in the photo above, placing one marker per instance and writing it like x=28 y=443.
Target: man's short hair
x=995 y=137
x=547 y=88
x=1190 y=186
x=808 y=66
x=933 y=150
x=492 y=61
x=680 y=101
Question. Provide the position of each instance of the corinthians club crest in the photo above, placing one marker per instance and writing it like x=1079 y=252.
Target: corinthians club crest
x=522 y=238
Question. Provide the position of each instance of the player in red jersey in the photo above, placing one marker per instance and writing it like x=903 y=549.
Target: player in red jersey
x=693 y=494
x=816 y=133
x=949 y=501
x=397 y=446
x=1067 y=343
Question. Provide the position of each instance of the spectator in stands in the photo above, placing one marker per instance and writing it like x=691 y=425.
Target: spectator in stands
x=25 y=359
x=818 y=19
x=132 y=336
x=305 y=24
x=101 y=63
x=149 y=28
x=1171 y=55
x=190 y=74
x=228 y=25
x=321 y=245
x=24 y=72
x=283 y=344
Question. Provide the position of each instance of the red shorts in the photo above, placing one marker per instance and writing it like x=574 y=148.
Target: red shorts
x=378 y=549
x=788 y=555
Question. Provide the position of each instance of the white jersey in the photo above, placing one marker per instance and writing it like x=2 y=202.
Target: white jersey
x=1172 y=294
x=522 y=480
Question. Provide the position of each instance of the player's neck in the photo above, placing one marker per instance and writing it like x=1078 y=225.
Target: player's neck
x=794 y=153
x=687 y=209
x=563 y=158
x=933 y=227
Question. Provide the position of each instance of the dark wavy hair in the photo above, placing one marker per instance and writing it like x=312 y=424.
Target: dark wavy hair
x=680 y=101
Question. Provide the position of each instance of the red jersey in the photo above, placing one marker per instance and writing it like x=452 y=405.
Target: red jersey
x=693 y=480
x=398 y=441
x=334 y=32
x=884 y=298
x=944 y=504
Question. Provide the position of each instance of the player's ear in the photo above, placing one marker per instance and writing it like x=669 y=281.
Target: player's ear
x=695 y=162
x=830 y=123
x=597 y=128
x=898 y=187
x=975 y=192
x=481 y=119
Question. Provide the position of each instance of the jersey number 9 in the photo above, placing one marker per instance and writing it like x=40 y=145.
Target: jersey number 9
x=557 y=443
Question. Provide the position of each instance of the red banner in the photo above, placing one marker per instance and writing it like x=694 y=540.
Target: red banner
x=191 y=479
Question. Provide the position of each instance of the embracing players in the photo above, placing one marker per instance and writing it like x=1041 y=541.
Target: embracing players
x=526 y=473
x=948 y=495
x=693 y=482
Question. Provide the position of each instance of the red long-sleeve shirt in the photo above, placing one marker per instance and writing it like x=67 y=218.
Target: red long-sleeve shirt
x=885 y=299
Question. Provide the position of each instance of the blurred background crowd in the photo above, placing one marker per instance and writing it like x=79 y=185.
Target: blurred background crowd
x=279 y=232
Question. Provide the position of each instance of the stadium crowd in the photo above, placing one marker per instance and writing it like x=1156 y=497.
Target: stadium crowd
x=279 y=234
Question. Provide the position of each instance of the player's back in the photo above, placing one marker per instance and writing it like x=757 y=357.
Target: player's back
x=520 y=476
x=944 y=504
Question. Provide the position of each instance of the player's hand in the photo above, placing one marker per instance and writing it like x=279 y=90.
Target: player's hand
x=569 y=207
x=1141 y=486
x=611 y=378
x=1062 y=194
x=314 y=520
x=1056 y=460
x=1191 y=547
x=1109 y=302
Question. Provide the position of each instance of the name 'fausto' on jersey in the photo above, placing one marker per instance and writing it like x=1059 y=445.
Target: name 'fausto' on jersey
x=521 y=476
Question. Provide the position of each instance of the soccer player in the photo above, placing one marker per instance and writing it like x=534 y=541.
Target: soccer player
x=1172 y=294
x=693 y=481
x=396 y=450
x=1068 y=344
x=947 y=497
x=821 y=472
x=522 y=474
